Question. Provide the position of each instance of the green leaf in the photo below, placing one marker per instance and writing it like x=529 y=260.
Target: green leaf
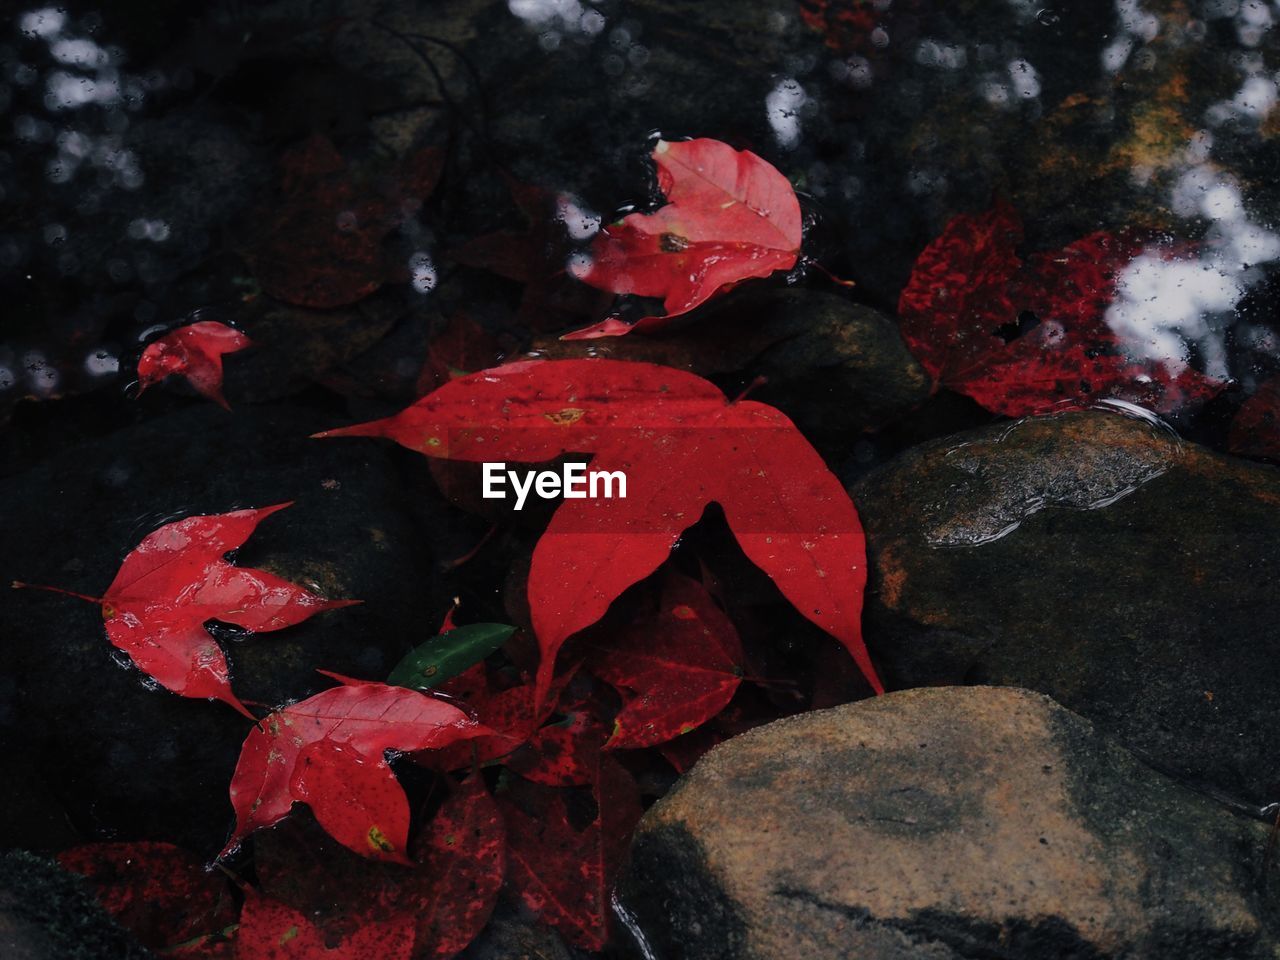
x=445 y=656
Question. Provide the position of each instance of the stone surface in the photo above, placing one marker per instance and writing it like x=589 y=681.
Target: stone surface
x=944 y=823
x=47 y=913
x=133 y=763
x=1097 y=559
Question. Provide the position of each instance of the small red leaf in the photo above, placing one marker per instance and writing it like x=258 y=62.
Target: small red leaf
x=360 y=721
x=195 y=352
x=463 y=853
x=729 y=216
x=269 y=930
x=675 y=671
x=562 y=754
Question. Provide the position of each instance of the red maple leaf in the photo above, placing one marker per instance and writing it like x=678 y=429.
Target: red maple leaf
x=195 y=352
x=463 y=858
x=175 y=580
x=562 y=872
x=270 y=930
x=960 y=315
x=1255 y=431
x=729 y=216
x=323 y=245
x=675 y=670
x=158 y=892
x=682 y=445
x=328 y=751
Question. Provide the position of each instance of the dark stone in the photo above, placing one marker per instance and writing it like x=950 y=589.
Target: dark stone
x=133 y=763
x=954 y=823
x=1095 y=558
x=47 y=913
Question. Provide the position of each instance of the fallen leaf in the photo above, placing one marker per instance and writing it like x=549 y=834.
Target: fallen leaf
x=194 y=352
x=160 y=893
x=177 y=579
x=448 y=654
x=269 y=930
x=675 y=670
x=322 y=246
x=730 y=216
x=305 y=750
x=682 y=446
x=1255 y=431
x=962 y=314
x=562 y=754
x=561 y=872
x=463 y=853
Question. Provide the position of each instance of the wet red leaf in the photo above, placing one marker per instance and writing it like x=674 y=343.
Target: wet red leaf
x=194 y=352
x=160 y=893
x=323 y=245
x=305 y=751
x=269 y=930
x=682 y=446
x=675 y=670
x=1255 y=431
x=562 y=754
x=463 y=858
x=564 y=872
x=961 y=309
x=730 y=216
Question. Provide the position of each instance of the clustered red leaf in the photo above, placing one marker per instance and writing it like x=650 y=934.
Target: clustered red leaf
x=685 y=445
x=194 y=352
x=177 y=579
x=960 y=315
x=729 y=216
x=328 y=751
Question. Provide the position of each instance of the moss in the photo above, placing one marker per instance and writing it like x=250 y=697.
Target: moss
x=47 y=913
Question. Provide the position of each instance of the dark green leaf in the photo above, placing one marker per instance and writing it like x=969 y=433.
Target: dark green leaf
x=443 y=657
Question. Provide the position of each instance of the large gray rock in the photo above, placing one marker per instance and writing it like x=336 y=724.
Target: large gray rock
x=944 y=823
x=1095 y=558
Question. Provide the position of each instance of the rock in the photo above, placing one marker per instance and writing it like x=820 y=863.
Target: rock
x=1095 y=558
x=511 y=936
x=132 y=763
x=944 y=823
x=47 y=913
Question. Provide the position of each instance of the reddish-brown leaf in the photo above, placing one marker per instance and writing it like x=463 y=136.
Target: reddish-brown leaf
x=1255 y=431
x=682 y=445
x=463 y=857
x=962 y=308
x=359 y=721
x=194 y=352
x=563 y=872
x=160 y=893
x=729 y=216
x=323 y=244
x=562 y=754
x=675 y=670
x=269 y=930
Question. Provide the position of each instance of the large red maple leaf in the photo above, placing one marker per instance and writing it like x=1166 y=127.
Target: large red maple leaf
x=194 y=352
x=682 y=446
x=960 y=315
x=729 y=216
x=327 y=751
x=175 y=580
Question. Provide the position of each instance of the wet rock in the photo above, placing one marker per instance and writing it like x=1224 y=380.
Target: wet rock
x=834 y=365
x=1095 y=558
x=47 y=913
x=510 y=936
x=133 y=763
x=944 y=823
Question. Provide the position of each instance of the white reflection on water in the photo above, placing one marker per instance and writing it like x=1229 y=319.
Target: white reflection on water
x=782 y=107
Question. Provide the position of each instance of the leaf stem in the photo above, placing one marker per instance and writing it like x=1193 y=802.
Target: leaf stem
x=19 y=585
x=759 y=381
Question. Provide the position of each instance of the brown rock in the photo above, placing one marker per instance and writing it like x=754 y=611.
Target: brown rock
x=943 y=823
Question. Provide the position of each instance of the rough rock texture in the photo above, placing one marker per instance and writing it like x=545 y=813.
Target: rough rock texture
x=138 y=763
x=944 y=823
x=47 y=913
x=1095 y=558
